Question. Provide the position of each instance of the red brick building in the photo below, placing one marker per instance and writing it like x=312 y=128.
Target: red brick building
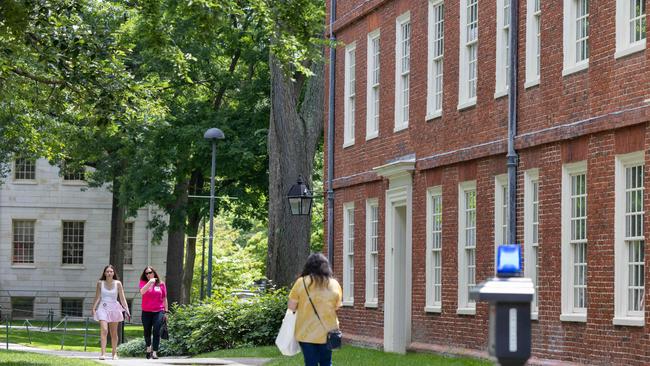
x=421 y=127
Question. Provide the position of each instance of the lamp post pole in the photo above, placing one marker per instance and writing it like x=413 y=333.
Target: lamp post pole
x=212 y=134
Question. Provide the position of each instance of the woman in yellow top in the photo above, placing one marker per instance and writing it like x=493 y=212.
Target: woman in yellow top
x=325 y=292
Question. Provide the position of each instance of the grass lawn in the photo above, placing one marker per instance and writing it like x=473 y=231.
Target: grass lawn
x=74 y=339
x=352 y=356
x=14 y=358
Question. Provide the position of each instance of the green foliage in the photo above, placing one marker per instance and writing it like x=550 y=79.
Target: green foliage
x=226 y=322
x=136 y=348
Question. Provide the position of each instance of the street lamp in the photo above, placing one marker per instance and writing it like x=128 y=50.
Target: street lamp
x=213 y=135
x=300 y=198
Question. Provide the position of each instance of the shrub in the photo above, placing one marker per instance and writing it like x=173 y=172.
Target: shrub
x=136 y=348
x=226 y=322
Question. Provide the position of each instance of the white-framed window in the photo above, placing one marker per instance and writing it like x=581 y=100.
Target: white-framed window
x=372 y=252
x=72 y=174
x=500 y=210
x=503 y=48
x=533 y=42
x=434 y=250
x=631 y=27
x=574 y=242
x=402 y=70
x=468 y=70
x=629 y=246
x=466 y=246
x=350 y=94
x=73 y=242
x=372 y=93
x=576 y=36
x=531 y=233
x=436 y=52
x=348 y=254
x=23 y=241
x=128 y=243
x=72 y=307
x=24 y=169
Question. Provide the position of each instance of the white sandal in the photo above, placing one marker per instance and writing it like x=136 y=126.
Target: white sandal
x=102 y=357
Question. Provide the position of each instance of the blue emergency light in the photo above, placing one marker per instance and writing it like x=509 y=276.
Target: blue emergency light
x=508 y=260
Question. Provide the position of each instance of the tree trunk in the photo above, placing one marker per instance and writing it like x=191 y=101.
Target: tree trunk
x=118 y=213
x=193 y=222
x=294 y=135
x=176 y=242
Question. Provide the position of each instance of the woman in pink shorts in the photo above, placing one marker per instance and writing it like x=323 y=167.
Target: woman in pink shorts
x=109 y=313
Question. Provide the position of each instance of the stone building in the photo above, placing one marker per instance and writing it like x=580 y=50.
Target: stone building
x=54 y=243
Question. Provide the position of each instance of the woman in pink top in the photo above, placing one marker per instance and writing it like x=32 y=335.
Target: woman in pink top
x=154 y=308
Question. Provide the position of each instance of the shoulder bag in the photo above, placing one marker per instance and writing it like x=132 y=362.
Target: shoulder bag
x=334 y=336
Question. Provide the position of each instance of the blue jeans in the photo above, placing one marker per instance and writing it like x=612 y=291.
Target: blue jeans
x=152 y=321
x=316 y=354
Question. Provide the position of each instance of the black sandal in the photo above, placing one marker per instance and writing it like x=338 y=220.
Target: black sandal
x=147 y=355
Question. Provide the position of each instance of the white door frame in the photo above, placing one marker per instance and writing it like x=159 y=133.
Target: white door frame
x=398 y=297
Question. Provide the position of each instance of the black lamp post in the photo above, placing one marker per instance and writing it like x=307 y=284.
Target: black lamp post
x=213 y=135
x=300 y=198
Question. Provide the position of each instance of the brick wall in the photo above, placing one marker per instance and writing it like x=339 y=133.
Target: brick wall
x=590 y=115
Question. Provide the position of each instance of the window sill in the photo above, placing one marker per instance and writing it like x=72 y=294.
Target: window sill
x=583 y=65
x=72 y=266
x=534 y=316
x=531 y=83
x=128 y=267
x=371 y=305
x=433 y=115
x=433 y=309
x=348 y=144
x=630 y=322
x=25 y=181
x=501 y=93
x=75 y=183
x=23 y=266
x=622 y=52
x=348 y=303
x=466 y=311
x=466 y=104
x=372 y=136
x=577 y=318
x=401 y=127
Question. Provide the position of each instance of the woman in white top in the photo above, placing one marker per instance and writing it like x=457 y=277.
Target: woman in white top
x=109 y=314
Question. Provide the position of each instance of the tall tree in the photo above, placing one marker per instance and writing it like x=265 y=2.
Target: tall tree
x=296 y=127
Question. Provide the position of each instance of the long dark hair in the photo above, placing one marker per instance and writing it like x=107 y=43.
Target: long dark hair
x=318 y=268
x=143 y=276
x=115 y=276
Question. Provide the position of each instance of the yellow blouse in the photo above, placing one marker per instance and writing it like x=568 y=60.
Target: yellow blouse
x=326 y=299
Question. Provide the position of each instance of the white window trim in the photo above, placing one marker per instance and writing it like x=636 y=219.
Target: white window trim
x=568 y=314
x=463 y=72
x=399 y=102
x=532 y=78
x=370 y=66
x=430 y=306
x=620 y=250
x=501 y=85
x=530 y=270
x=431 y=80
x=17 y=181
x=465 y=305
x=369 y=283
x=348 y=291
x=349 y=113
x=623 y=45
x=570 y=64
x=500 y=181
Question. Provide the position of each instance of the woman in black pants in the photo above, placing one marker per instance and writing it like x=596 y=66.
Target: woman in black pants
x=154 y=309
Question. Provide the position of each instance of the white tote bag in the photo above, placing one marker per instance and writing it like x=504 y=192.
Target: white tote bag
x=286 y=340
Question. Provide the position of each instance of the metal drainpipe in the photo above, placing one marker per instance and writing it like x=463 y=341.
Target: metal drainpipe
x=330 y=139
x=512 y=157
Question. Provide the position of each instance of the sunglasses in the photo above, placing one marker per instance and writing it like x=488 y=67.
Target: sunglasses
x=148 y=273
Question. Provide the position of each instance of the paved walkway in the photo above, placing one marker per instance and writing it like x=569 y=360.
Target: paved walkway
x=143 y=361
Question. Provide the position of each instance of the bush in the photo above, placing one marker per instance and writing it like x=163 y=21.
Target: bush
x=136 y=348
x=226 y=322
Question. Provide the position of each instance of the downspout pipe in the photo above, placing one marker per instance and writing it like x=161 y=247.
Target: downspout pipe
x=330 y=138
x=512 y=158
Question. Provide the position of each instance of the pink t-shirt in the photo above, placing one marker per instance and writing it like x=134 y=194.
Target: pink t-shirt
x=153 y=299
